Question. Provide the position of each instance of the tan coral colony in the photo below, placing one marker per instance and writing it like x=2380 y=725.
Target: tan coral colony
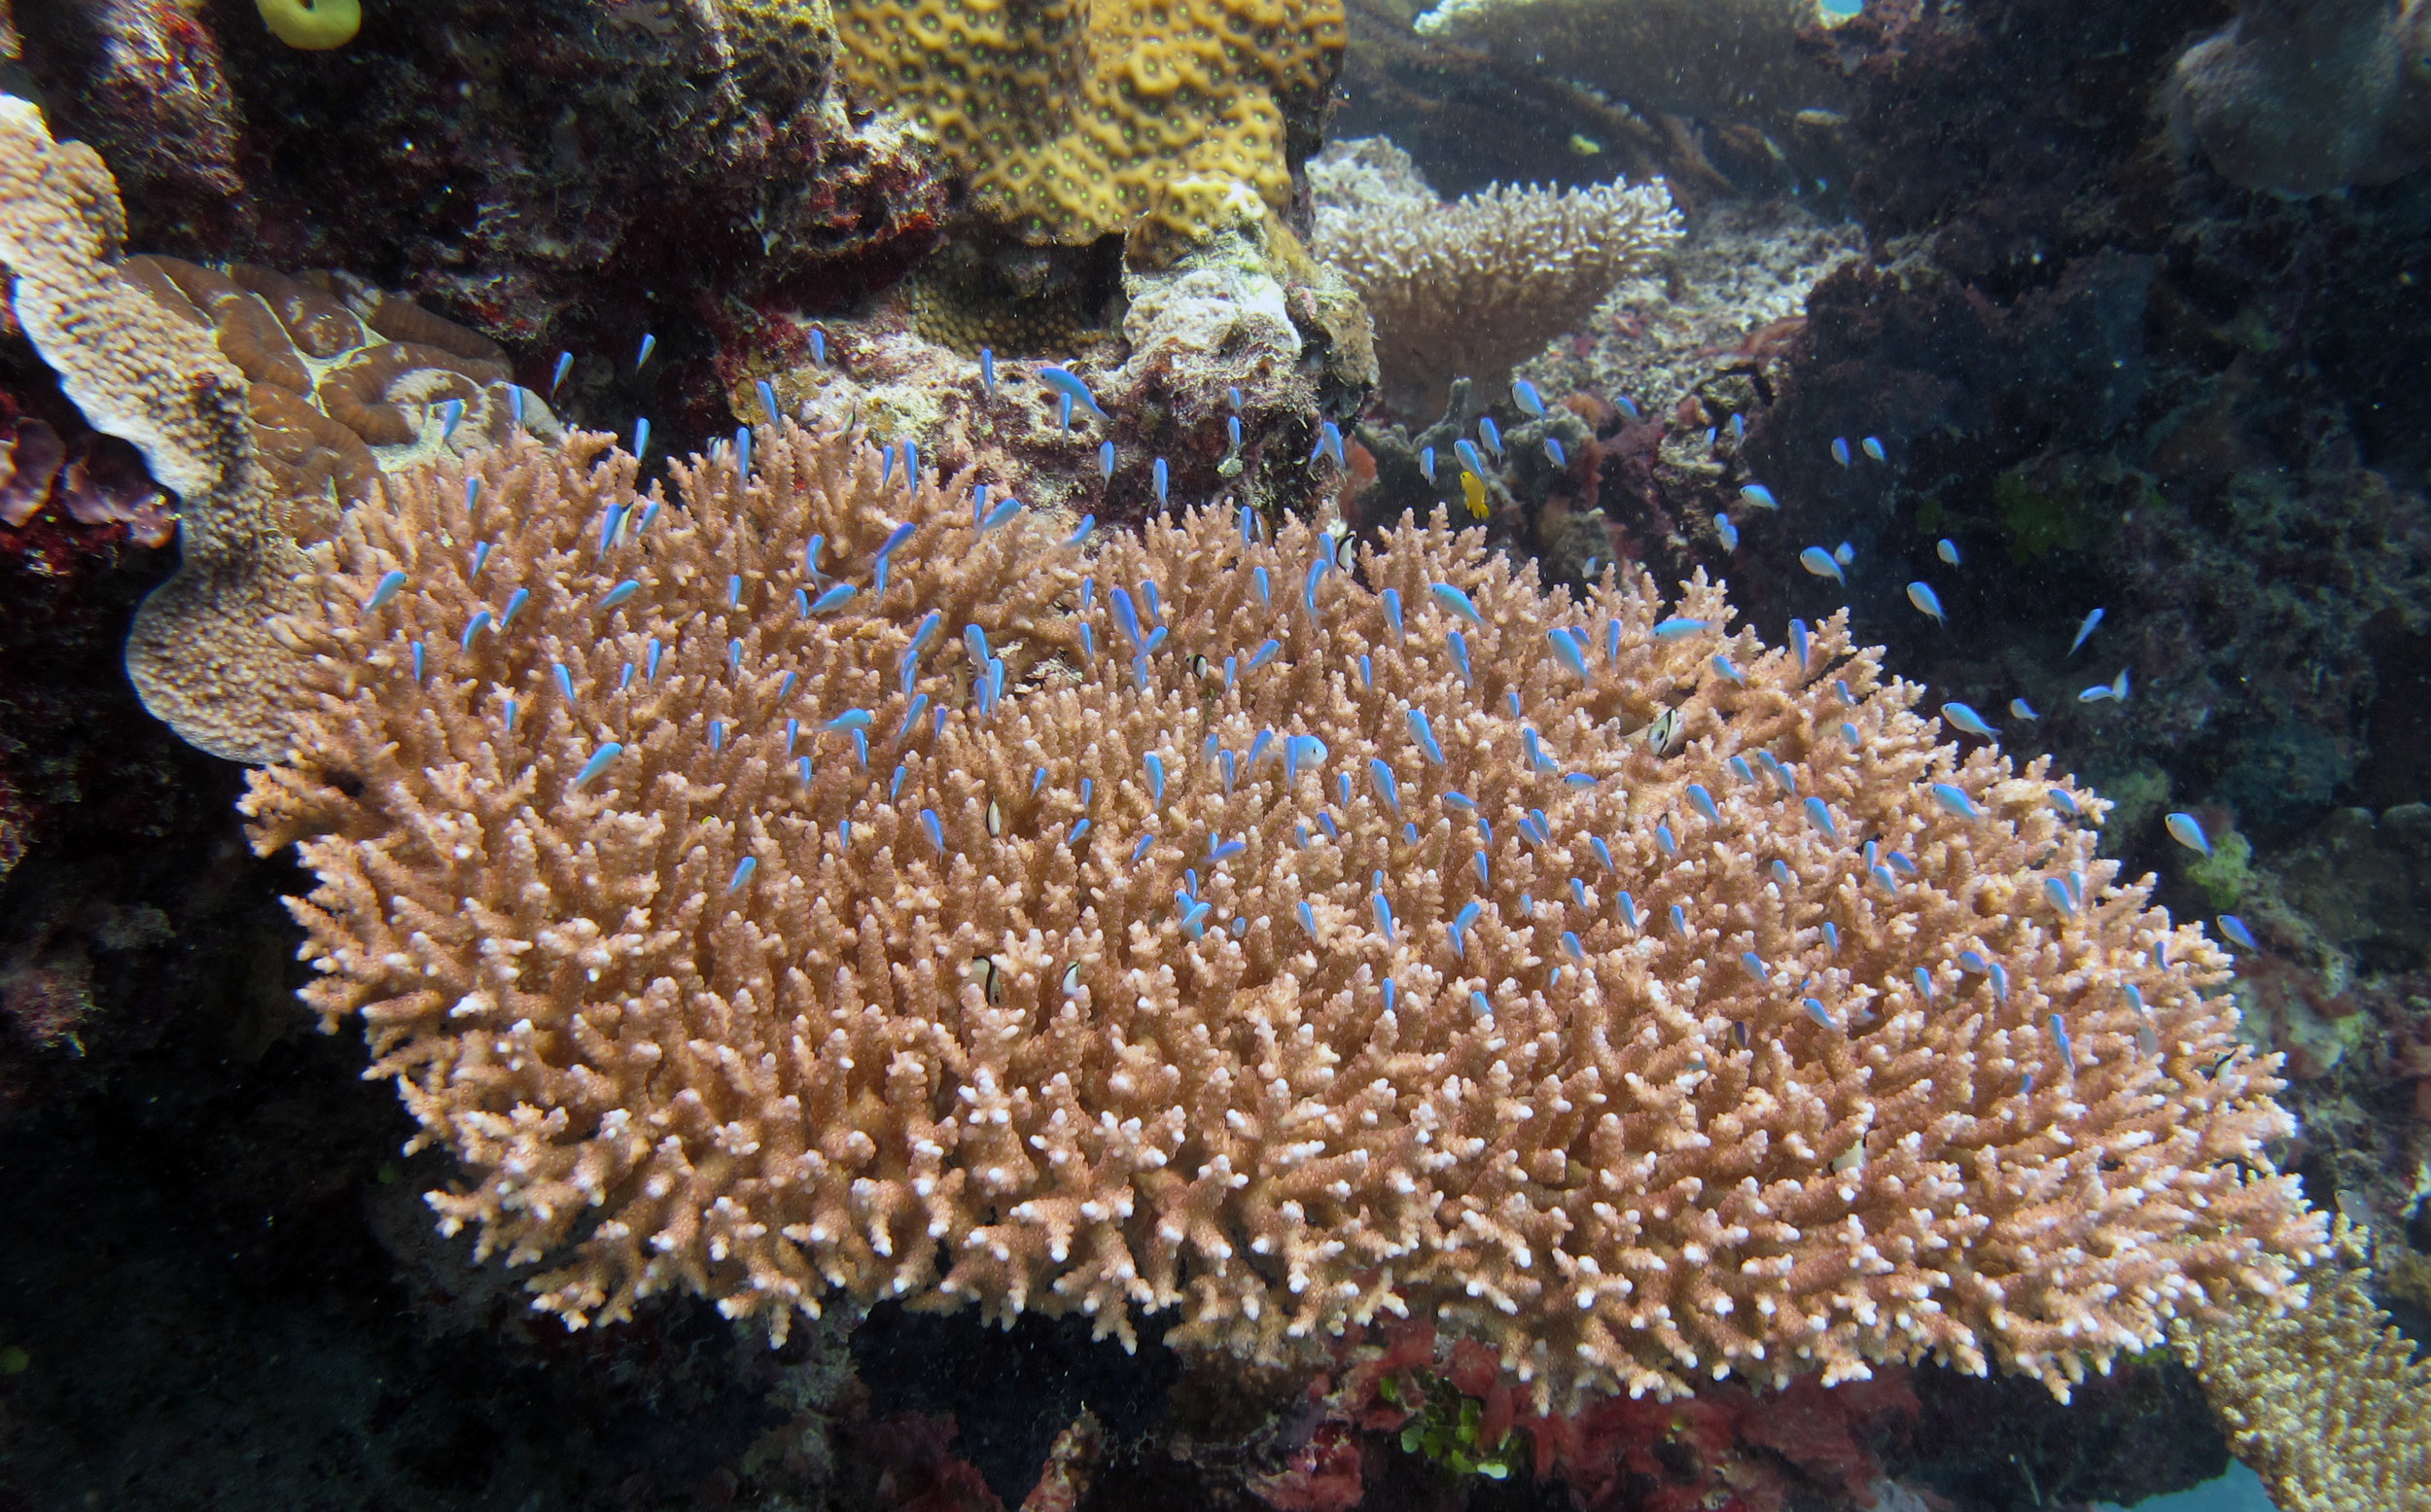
x=812 y=882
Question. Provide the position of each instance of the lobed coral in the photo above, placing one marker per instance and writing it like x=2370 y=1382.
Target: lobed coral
x=1471 y=288
x=762 y=897
x=1073 y=118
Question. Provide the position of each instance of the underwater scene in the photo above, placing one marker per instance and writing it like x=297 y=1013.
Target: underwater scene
x=1215 y=756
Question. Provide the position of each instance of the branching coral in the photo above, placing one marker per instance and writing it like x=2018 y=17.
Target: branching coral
x=760 y=897
x=2326 y=1399
x=1467 y=289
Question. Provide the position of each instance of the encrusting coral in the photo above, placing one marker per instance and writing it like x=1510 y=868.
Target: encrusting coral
x=201 y=652
x=1471 y=288
x=817 y=882
x=2325 y=1400
x=1072 y=119
x=266 y=402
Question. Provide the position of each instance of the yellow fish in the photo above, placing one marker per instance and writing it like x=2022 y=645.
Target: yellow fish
x=1473 y=489
x=1585 y=147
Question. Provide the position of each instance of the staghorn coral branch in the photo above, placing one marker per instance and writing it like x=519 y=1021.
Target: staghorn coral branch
x=1419 y=972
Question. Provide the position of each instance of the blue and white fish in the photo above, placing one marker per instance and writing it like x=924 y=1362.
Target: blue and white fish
x=1455 y=601
x=1426 y=463
x=2019 y=707
x=1822 y=563
x=1927 y=602
x=2187 y=831
x=1954 y=800
x=1524 y=393
x=1948 y=550
x=1759 y=496
x=1106 y=460
x=1844 y=553
x=1839 y=449
x=1677 y=626
x=1728 y=532
x=1065 y=382
x=565 y=365
x=1157 y=471
x=2235 y=929
x=1491 y=434
x=1554 y=453
x=1873 y=445
x=2085 y=629
x=1467 y=450
x=1965 y=719
x=1626 y=404
x=987 y=369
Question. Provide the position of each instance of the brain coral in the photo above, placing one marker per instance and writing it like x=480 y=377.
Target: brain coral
x=1070 y=117
x=762 y=896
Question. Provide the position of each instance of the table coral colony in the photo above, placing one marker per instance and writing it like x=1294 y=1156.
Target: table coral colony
x=823 y=880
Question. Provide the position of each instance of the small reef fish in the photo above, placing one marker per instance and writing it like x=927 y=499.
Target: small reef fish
x=1426 y=463
x=1729 y=532
x=1554 y=453
x=1626 y=405
x=2187 y=831
x=1739 y=429
x=565 y=365
x=1467 y=450
x=1585 y=145
x=1873 y=448
x=1964 y=718
x=2085 y=629
x=1844 y=553
x=1822 y=564
x=1839 y=449
x=1491 y=434
x=1473 y=494
x=1946 y=550
x=650 y=344
x=987 y=369
x=2019 y=707
x=1927 y=602
x=1065 y=382
x=1524 y=393
x=2235 y=929
x=1759 y=496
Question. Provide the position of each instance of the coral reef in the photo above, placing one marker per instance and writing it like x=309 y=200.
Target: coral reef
x=1243 y=330
x=2307 y=96
x=560 y=175
x=777 y=1031
x=2326 y=1401
x=266 y=402
x=1467 y=289
x=1070 y=120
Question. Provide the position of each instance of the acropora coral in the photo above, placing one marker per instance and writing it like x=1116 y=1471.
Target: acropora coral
x=827 y=880
x=1468 y=288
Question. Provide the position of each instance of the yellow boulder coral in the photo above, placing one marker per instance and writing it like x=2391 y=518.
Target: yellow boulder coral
x=1071 y=118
